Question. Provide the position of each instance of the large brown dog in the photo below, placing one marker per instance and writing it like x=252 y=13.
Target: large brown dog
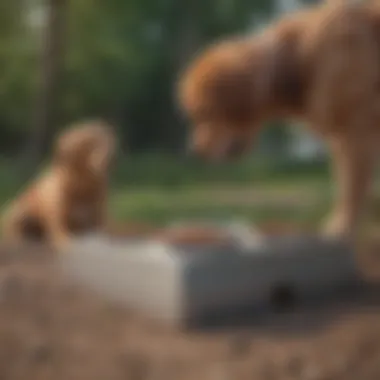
x=320 y=66
x=70 y=197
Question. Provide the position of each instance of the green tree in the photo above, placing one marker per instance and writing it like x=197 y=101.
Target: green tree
x=122 y=60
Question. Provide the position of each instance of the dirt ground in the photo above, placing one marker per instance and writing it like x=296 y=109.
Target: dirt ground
x=50 y=329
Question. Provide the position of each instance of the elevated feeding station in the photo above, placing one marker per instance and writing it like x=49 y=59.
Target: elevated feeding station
x=183 y=282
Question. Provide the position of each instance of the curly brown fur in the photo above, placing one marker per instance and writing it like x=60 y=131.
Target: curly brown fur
x=320 y=66
x=70 y=197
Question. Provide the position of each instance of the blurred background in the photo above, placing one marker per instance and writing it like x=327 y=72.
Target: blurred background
x=64 y=60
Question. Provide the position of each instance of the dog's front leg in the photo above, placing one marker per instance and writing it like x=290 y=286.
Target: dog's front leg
x=352 y=162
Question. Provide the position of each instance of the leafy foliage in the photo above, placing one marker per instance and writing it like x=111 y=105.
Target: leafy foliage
x=122 y=60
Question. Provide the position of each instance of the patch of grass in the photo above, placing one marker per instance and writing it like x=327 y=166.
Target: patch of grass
x=159 y=215
x=177 y=172
x=261 y=203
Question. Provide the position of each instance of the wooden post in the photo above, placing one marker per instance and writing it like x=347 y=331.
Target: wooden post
x=49 y=77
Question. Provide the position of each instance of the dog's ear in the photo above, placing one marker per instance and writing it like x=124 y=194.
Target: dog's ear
x=217 y=85
x=279 y=75
x=232 y=90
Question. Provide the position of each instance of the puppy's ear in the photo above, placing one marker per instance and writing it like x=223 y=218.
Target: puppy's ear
x=101 y=156
x=62 y=153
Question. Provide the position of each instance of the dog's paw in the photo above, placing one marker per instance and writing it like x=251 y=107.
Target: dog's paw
x=338 y=227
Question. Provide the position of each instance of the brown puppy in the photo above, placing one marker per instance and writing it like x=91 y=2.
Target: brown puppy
x=320 y=66
x=70 y=197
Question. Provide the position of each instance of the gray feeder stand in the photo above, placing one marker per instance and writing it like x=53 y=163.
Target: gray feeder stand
x=179 y=284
